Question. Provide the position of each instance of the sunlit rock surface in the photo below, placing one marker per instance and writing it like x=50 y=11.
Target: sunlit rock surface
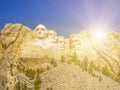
x=21 y=47
x=102 y=52
x=70 y=77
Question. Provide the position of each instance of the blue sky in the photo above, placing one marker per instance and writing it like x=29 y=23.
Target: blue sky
x=63 y=16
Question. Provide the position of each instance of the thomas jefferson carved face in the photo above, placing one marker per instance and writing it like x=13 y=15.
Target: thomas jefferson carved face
x=52 y=34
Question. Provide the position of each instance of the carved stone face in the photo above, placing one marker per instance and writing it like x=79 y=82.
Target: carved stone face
x=41 y=31
x=61 y=42
x=74 y=38
x=75 y=41
x=52 y=34
x=60 y=39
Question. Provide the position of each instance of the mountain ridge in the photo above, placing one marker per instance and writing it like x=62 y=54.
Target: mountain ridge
x=23 y=50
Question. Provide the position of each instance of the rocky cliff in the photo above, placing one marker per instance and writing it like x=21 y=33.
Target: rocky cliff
x=34 y=56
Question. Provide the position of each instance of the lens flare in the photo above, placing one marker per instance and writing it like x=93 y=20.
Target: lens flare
x=99 y=31
x=99 y=35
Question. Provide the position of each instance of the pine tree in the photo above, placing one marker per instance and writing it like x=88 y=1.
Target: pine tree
x=30 y=73
x=24 y=86
x=48 y=67
x=39 y=71
x=18 y=86
x=105 y=70
x=85 y=64
x=37 y=82
x=100 y=78
x=7 y=88
x=3 y=83
x=117 y=79
x=53 y=62
x=62 y=59
x=91 y=67
x=75 y=59
x=49 y=88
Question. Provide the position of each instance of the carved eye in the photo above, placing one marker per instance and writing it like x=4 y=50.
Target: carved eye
x=49 y=34
x=39 y=32
x=42 y=29
x=37 y=29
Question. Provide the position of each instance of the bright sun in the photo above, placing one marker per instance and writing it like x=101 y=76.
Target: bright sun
x=99 y=35
x=99 y=31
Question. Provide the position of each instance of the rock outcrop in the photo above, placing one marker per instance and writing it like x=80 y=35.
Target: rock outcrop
x=21 y=47
x=105 y=52
x=73 y=78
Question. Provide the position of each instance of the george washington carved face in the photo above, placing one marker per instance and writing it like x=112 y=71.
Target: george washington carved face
x=41 y=31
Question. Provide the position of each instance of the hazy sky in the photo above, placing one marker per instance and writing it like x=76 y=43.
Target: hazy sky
x=63 y=16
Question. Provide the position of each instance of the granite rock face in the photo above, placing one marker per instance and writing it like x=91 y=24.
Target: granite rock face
x=21 y=46
x=11 y=38
x=19 y=42
x=101 y=52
